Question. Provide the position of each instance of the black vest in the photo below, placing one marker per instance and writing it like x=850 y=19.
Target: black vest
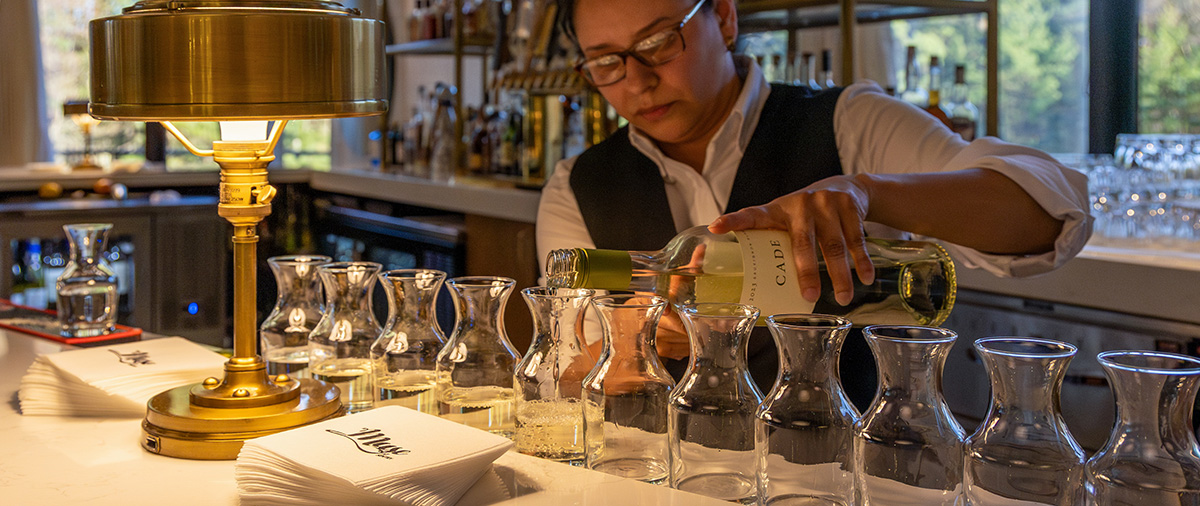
x=623 y=199
x=622 y=196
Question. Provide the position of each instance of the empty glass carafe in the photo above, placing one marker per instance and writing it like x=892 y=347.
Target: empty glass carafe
x=1151 y=456
x=87 y=287
x=405 y=355
x=549 y=379
x=908 y=448
x=339 y=347
x=475 y=367
x=804 y=432
x=711 y=413
x=626 y=394
x=283 y=335
x=1022 y=453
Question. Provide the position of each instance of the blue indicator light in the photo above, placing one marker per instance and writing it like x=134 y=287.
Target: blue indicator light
x=193 y=308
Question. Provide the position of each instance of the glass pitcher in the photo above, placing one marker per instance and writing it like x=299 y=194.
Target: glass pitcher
x=475 y=367
x=549 y=379
x=1022 y=453
x=625 y=412
x=1151 y=456
x=405 y=355
x=711 y=413
x=283 y=335
x=87 y=287
x=804 y=432
x=339 y=347
x=908 y=448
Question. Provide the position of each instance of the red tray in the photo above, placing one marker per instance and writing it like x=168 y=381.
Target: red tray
x=44 y=324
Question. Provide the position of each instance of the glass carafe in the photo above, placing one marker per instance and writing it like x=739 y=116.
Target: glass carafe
x=804 y=432
x=87 y=287
x=1151 y=456
x=625 y=414
x=549 y=379
x=908 y=448
x=1022 y=453
x=475 y=367
x=405 y=355
x=339 y=347
x=711 y=413
x=283 y=335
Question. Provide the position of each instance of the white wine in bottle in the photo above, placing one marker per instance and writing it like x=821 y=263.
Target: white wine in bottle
x=914 y=280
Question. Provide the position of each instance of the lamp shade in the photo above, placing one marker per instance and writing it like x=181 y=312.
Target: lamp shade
x=207 y=60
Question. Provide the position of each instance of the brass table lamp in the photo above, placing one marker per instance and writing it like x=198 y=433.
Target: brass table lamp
x=77 y=112
x=242 y=63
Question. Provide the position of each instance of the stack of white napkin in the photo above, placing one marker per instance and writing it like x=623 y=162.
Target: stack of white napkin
x=116 y=380
x=390 y=455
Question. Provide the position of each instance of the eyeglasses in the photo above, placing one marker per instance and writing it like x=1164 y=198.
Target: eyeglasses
x=651 y=51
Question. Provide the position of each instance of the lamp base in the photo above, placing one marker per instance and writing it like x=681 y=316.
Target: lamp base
x=176 y=427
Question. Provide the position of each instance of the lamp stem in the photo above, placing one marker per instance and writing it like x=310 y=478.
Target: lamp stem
x=245 y=241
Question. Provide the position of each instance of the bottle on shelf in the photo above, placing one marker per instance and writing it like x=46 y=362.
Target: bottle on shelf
x=827 y=68
x=964 y=116
x=810 y=64
x=477 y=143
x=934 y=106
x=914 y=281
x=443 y=142
x=416 y=21
x=913 y=92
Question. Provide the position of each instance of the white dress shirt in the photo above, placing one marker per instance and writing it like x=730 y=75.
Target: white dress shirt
x=875 y=134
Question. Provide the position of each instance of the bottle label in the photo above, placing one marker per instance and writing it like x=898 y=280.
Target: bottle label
x=769 y=273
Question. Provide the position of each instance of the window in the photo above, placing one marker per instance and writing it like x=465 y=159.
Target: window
x=65 y=63
x=1043 y=67
x=1169 y=67
x=64 y=40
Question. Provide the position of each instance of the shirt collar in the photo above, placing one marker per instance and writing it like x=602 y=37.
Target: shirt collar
x=742 y=119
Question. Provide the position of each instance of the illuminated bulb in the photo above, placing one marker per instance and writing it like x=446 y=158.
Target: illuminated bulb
x=243 y=130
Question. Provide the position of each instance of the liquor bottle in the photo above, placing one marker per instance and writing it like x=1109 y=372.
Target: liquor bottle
x=964 y=116
x=827 y=68
x=415 y=22
x=477 y=141
x=934 y=107
x=810 y=63
x=913 y=93
x=914 y=281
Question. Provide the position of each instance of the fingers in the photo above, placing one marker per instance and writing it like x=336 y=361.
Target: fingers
x=757 y=217
x=671 y=339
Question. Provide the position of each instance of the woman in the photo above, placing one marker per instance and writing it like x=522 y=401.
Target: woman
x=710 y=142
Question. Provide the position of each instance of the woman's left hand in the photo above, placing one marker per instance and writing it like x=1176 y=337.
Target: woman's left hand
x=828 y=215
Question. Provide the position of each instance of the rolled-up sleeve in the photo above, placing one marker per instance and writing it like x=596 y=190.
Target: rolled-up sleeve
x=878 y=134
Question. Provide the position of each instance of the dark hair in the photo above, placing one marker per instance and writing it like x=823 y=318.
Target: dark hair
x=566 y=17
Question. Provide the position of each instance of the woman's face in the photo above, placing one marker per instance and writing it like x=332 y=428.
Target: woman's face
x=677 y=101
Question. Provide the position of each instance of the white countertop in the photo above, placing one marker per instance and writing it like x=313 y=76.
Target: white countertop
x=59 y=460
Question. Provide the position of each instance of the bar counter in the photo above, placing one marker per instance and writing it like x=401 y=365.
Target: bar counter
x=46 y=460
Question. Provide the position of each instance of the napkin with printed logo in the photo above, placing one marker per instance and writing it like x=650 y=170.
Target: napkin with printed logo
x=116 y=380
x=389 y=455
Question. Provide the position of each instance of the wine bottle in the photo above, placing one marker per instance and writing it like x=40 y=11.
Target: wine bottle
x=963 y=114
x=914 y=280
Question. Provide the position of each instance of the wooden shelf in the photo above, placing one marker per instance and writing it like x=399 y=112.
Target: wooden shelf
x=763 y=15
x=440 y=47
x=767 y=15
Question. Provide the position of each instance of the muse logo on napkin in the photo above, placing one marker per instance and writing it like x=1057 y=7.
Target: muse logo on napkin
x=114 y=380
x=388 y=455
